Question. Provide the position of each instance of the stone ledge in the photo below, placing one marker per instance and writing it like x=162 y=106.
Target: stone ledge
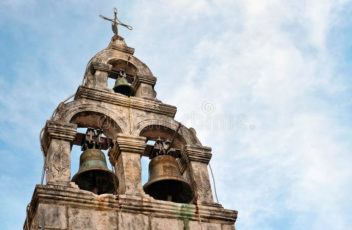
x=147 y=79
x=121 y=100
x=127 y=143
x=130 y=204
x=57 y=130
x=93 y=66
x=198 y=153
x=134 y=144
x=60 y=130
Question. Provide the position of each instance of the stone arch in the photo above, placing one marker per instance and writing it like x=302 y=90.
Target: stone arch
x=106 y=56
x=119 y=63
x=98 y=121
x=92 y=115
x=154 y=128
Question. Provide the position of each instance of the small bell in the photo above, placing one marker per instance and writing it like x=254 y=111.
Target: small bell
x=93 y=174
x=165 y=181
x=122 y=86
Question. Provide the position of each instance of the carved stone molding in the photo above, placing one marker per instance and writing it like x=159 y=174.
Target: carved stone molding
x=146 y=79
x=127 y=143
x=198 y=153
x=119 y=99
x=143 y=86
x=58 y=130
x=80 y=199
x=131 y=144
x=100 y=66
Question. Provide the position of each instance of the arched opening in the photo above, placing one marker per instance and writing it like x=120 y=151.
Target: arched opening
x=153 y=132
x=121 y=77
x=98 y=121
x=165 y=180
x=145 y=164
x=90 y=167
x=126 y=66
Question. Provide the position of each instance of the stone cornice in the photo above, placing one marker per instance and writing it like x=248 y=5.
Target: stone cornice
x=146 y=79
x=60 y=130
x=132 y=204
x=57 y=130
x=153 y=106
x=134 y=144
x=127 y=143
x=100 y=66
x=198 y=153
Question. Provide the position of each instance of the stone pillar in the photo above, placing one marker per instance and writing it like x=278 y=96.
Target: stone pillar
x=144 y=86
x=199 y=157
x=101 y=79
x=59 y=137
x=126 y=157
x=98 y=75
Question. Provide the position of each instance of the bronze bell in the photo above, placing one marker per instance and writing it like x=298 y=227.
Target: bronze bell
x=122 y=86
x=93 y=174
x=165 y=181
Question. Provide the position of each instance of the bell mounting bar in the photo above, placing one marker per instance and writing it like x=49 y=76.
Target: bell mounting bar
x=80 y=139
x=114 y=73
x=106 y=143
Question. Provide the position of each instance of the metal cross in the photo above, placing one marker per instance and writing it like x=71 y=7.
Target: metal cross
x=115 y=23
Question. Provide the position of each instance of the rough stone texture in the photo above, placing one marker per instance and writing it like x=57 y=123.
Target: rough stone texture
x=126 y=156
x=128 y=170
x=197 y=159
x=201 y=179
x=204 y=226
x=88 y=219
x=133 y=221
x=129 y=122
x=62 y=207
x=59 y=162
x=166 y=223
x=144 y=86
x=58 y=136
x=53 y=216
x=228 y=227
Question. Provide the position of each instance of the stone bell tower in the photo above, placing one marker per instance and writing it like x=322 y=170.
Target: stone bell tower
x=128 y=122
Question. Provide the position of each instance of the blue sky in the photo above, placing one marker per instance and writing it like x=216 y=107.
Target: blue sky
x=266 y=84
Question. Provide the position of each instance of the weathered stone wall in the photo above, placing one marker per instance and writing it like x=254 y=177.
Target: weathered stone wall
x=65 y=208
x=129 y=122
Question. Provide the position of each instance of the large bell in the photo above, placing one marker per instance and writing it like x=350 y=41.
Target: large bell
x=165 y=181
x=122 y=86
x=93 y=174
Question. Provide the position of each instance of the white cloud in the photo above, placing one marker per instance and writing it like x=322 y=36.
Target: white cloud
x=251 y=76
x=278 y=153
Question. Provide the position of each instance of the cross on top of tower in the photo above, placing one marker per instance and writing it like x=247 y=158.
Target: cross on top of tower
x=124 y=120
x=115 y=22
